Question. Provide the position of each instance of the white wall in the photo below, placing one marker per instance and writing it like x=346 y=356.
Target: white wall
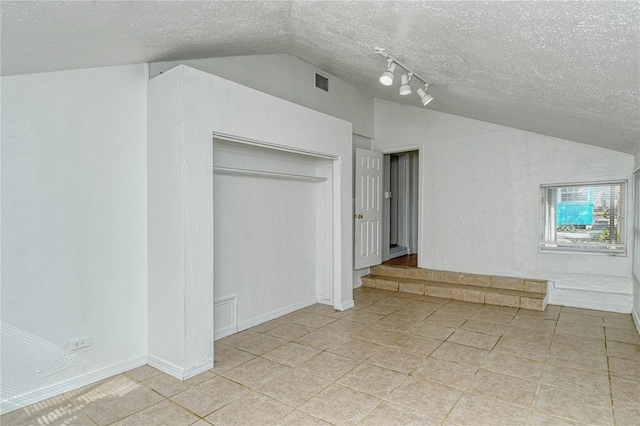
x=186 y=107
x=480 y=208
x=74 y=239
x=268 y=232
x=291 y=79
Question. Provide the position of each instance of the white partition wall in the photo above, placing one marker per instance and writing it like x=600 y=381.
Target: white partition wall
x=186 y=108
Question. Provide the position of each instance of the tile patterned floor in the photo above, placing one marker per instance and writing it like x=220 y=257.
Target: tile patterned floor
x=395 y=359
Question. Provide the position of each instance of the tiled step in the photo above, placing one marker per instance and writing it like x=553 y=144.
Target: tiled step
x=487 y=289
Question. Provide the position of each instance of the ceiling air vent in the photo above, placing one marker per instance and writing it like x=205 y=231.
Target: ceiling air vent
x=322 y=82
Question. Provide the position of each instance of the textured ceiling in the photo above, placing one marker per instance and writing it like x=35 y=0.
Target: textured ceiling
x=564 y=69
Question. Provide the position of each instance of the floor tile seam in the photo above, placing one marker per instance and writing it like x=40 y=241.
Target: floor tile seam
x=133 y=414
x=81 y=406
x=388 y=345
x=627 y=342
x=370 y=411
x=289 y=412
x=405 y=405
x=302 y=403
x=582 y=335
x=579 y=392
x=45 y=411
x=203 y=416
x=632 y=403
x=610 y=382
x=172 y=402
x=565 y=346
x=499 y=350
x=364 y=391
x=388 y=368
x=250 y=388
x=484 y=367
x=167 y=397
x=344 y=356
x=537 y=381
x=344 y=386
x=555 y=362
x=561 y=417
x=495 y=398
x=630 y=327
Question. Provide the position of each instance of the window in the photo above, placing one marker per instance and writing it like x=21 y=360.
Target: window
x=586 y=218
x=574 y=193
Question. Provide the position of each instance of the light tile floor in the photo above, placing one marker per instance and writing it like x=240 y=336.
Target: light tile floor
x=395 y=359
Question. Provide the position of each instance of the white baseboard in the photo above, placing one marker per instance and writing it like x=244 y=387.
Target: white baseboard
x=636 y=319
x=55 y=389
x=346 y=305
x=243 y=325
x=165 y=366
x=590 y=299
x=228 y=331
x=176 y=371
x=198 y=369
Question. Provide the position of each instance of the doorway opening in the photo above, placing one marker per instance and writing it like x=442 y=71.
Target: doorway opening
x=400 y=204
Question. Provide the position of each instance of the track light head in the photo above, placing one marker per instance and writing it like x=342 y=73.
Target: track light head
x=405 y=89
x=387 y=77
x=425 y=98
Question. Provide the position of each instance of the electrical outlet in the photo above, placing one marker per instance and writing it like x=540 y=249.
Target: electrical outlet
x=79 y=343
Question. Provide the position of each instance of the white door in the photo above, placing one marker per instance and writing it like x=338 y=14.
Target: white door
x=368 y=209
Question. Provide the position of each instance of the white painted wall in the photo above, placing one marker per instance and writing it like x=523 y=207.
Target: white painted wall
x=181 y=209
x=267 y=238
x=291 y=79
x=74 y=238
x=480 y=201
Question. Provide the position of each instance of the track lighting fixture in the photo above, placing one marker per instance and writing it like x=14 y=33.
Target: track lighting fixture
x=387 y=77
x=405 y=87
x=424 y=97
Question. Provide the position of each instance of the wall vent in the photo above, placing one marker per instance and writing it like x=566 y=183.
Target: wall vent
x=322 y=82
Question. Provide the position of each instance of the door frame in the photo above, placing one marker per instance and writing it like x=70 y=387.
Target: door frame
x=420 y=204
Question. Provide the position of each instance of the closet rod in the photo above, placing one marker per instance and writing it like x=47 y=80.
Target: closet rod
x=231 y=170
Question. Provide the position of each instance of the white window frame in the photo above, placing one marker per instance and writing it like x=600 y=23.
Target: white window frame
x=548 y=222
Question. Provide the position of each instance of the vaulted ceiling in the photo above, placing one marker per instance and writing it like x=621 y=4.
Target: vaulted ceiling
x=564 y=69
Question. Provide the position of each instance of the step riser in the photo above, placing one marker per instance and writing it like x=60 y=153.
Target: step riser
x=489 y=296
x=491 y=281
